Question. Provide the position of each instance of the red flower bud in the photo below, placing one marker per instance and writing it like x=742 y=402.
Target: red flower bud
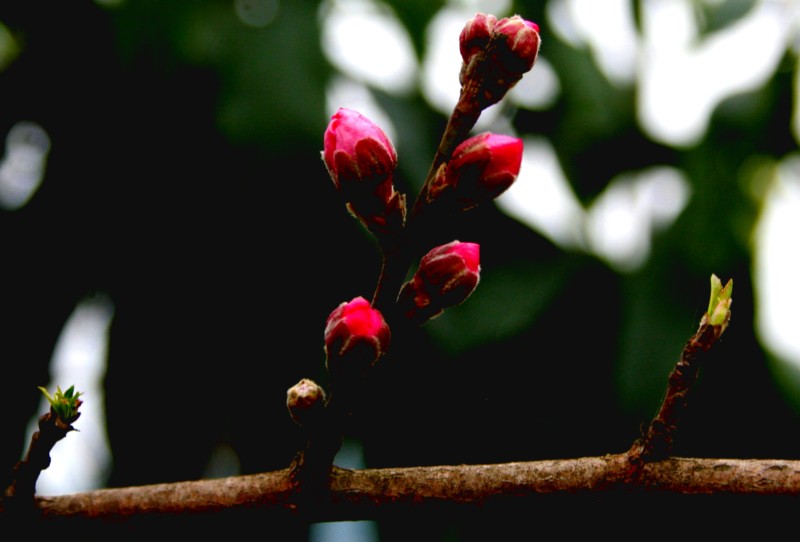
x=522 y=40
x=361 y=161
x=481 y=168
x=475 y=35
x=447 y=276
x=496 y=54
x=357 y=150
x=356 y=336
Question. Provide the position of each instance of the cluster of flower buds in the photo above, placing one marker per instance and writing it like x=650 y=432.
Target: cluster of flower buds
x=496 y=54
x=446 y=276
x=361 y=161
x=481 y=168
x=356 y=336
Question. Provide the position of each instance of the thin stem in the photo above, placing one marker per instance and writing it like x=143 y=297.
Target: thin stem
x=397 y=259
x=399 y=251
x=26 y=472
x=656 y=443
x=465 y=114
x=311 y=467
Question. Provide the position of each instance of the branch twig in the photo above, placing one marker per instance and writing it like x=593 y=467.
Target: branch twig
x=656 y=442
x=26 y=472
x=374 y=493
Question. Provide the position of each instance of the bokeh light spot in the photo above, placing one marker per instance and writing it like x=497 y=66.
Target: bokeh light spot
x=23 y=164
x=364 y=40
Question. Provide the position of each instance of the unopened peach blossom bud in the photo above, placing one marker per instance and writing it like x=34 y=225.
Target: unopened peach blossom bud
x=492 y=64
x=522 y=43
x=475 y=35
x=356 y=336
x=357 y=151
x=361 y=161
x=481 y=168
x=447 y=276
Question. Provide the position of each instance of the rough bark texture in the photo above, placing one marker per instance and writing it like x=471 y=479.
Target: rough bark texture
x=377 y=493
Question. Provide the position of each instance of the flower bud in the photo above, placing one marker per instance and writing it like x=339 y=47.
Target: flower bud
x=361 y=161
x=522 y=43
x=356 y=336
x=475 y=35
x=356 y=150
x=496 y=54
x=305 y=401
x=481 y=168
x=447 y=276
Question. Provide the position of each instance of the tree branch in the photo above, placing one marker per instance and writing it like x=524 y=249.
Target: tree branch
x=52 y=428
x=374 y=493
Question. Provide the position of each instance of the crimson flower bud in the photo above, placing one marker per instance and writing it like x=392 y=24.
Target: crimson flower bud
x=481 y=168
x=496 y=54
x=305 y=401
x=447 y=276
x=475 y=35
x=522 y=41
x=361 y=161
x=356 y=336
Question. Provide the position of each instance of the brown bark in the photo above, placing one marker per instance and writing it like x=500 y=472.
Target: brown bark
x=26 y=472
x=374 y=493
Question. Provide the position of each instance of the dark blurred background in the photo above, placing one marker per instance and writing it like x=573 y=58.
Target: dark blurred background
x=181 y=188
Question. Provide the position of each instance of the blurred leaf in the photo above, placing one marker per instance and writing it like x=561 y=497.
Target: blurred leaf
x=714 y=16
x=651 y=339
x=593 y=119
x=9 y=47
x=419 y=130
x=508 y=300
x=271 y=79
x=415 y=16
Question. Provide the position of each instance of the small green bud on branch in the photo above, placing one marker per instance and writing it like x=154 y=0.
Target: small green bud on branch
x=719 y=304
x=656 y=442
x=53 y=426
x=64 y=403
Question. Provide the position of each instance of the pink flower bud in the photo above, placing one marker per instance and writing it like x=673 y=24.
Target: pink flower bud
x=475 y=35
x=493 y=64
x=481 y=168
x=356 y=336
x=305 y=401
x=522 y=40
x=361 y=161
x=447 y=276
x=356 y=151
